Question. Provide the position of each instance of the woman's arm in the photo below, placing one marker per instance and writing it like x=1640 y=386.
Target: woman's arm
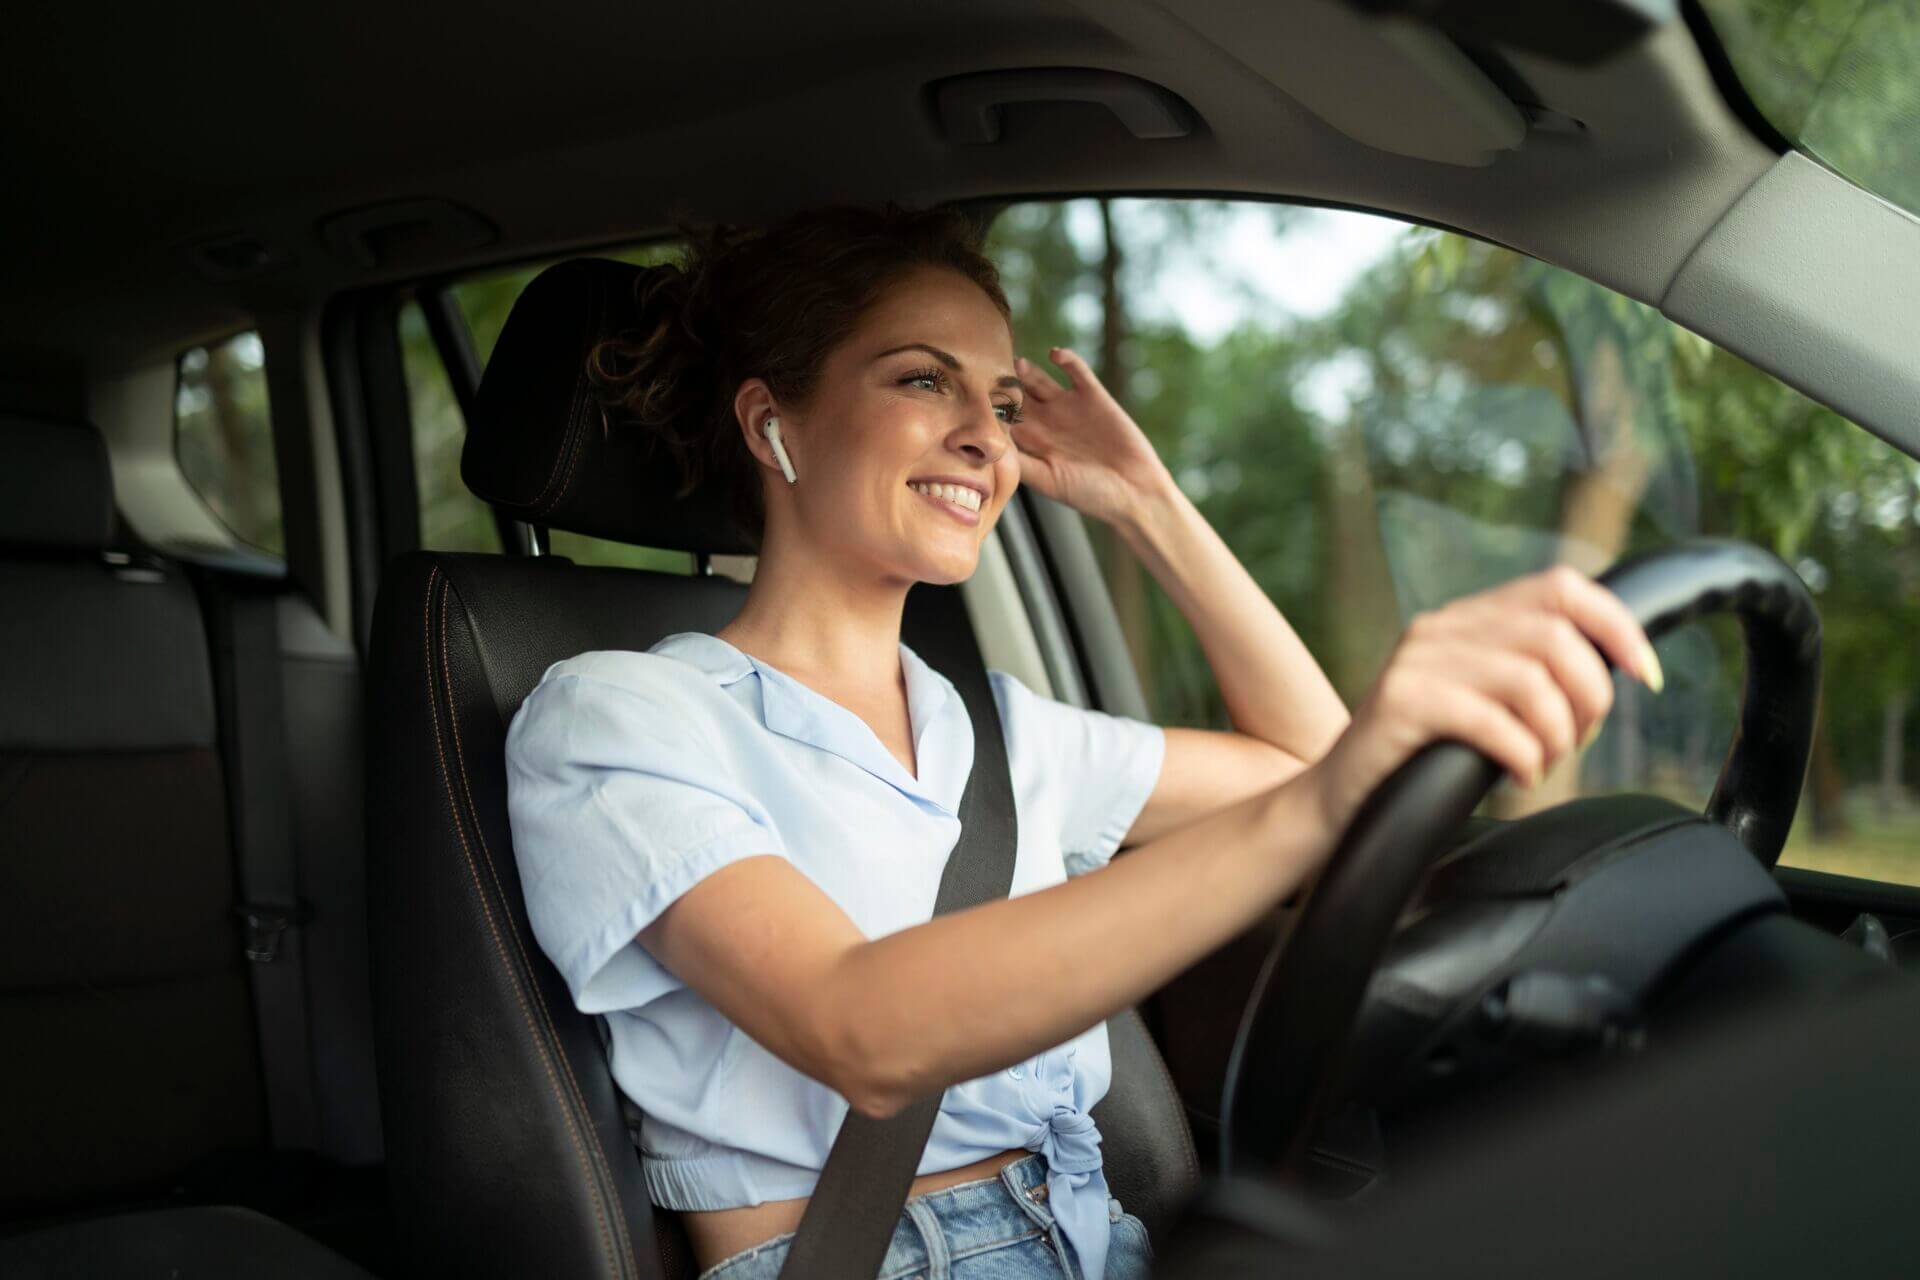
x=1080 y=447
x=1512 y=672
x=885 y=1021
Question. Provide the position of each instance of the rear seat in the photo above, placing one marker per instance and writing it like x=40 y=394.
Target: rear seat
x=132 y=1062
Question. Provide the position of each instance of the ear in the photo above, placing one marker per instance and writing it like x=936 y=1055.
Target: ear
x=753 y=404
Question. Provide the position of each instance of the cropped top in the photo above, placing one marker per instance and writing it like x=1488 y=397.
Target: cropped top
x=631 y=776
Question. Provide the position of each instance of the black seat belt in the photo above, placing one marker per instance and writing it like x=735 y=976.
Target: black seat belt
x=246 y=627
x=849 y=1222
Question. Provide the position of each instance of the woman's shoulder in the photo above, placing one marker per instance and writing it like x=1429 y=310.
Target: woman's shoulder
x=1020 y=704
x=611 y=673
x=619 y=669
x=627 y=690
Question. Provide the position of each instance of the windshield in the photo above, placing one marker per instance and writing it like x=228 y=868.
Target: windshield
x=1380 y=418
x=1837 y=78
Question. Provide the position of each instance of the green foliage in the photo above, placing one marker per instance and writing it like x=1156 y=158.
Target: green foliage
x=223 y=437
x=451 y=517
x=1463 y=415
x=1837 y=77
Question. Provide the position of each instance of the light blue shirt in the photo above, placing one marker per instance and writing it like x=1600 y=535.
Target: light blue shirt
x=631 y=776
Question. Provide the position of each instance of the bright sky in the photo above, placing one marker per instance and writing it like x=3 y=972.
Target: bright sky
x=1303 y=270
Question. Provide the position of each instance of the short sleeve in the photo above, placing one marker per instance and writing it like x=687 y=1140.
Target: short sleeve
x=1101 y=766
x=619 y=804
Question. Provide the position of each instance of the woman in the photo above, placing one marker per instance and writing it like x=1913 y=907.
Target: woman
x=731 y=844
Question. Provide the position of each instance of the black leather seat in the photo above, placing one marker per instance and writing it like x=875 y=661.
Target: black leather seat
x=130 y=1059
x=508 y=1149
x=129 y=1032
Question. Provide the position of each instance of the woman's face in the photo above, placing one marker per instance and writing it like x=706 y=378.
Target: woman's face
x=921 y=393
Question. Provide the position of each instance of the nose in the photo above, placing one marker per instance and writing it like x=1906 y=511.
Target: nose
x=981 y=435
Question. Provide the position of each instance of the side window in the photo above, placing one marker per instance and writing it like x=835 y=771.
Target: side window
x=1379 y=418
x=451 y=517
x=223 y=437
x=485 y=301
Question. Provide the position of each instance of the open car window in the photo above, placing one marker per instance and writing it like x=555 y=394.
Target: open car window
x=1379 y=418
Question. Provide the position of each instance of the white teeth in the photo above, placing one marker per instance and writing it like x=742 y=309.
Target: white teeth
x=958 y=494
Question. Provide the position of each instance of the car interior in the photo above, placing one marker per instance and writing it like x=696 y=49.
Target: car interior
x=270 y=997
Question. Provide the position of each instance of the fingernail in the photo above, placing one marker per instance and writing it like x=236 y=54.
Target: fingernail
x=1593 y=732
x=1650 y=672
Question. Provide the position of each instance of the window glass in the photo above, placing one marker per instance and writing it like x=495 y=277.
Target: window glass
x=1380 y=418
x=485 y=301
x=223 y=437
x=451 y=517
x=1837 y=78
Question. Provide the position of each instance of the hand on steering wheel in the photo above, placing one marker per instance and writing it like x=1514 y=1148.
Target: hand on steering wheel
x=1418 y=770
x=1513 y=672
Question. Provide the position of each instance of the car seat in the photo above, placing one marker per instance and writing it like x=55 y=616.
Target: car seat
x=508 y=1149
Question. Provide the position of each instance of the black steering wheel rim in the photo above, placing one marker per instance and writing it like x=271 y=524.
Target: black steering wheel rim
x=1301 y=1011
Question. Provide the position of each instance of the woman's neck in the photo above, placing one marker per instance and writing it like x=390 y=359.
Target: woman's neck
x=811 y=618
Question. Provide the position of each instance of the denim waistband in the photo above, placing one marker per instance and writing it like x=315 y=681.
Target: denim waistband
x=942 y=1227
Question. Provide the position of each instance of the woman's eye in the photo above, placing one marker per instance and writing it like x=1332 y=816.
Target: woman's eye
x=937 y=379
x=1010 y=412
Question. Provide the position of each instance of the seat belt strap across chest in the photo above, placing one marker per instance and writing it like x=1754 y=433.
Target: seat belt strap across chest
x=849 y=1222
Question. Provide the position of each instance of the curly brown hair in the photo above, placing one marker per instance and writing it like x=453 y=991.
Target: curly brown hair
x=763 y=302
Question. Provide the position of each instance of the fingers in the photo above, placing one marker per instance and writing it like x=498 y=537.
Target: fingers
x=1079 y=375
x=1561 y=654
x=1516 y=672
x=1453 y=709
x=1604 y=618
x=1038 y=382
x=1534 y=647
x=1530 y=689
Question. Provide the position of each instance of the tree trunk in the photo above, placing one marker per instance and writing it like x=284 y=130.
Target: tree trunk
x=1126 y=578
x=1893 y=733
x=1827 y=786
x=246 y=503
x=1359 y=603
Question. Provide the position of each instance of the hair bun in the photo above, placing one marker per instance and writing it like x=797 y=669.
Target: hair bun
x=646 y=368
x=761 y=302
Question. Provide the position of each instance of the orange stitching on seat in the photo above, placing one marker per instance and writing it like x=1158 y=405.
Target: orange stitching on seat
x=579 y=386
x=572 y=457
x=493 y=872
x=573 y=440
x=453 y=805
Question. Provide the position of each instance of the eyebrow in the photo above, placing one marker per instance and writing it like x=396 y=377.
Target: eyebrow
x=944 y=357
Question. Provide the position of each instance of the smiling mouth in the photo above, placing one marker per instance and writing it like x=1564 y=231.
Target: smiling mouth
x=955 y=506
x=958 y=495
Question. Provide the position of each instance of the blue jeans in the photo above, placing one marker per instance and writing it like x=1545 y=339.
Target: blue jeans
x=991 y=1229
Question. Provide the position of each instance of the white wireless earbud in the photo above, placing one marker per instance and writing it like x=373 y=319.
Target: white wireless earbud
x=772 y=430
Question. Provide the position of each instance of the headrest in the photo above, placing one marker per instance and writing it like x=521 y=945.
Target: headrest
x=56 y=490
x=537 y=447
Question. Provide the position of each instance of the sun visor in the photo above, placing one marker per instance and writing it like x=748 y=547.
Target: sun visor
x=1390 y=82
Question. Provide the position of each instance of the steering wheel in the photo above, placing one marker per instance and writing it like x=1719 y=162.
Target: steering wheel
x=1301 y=1012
